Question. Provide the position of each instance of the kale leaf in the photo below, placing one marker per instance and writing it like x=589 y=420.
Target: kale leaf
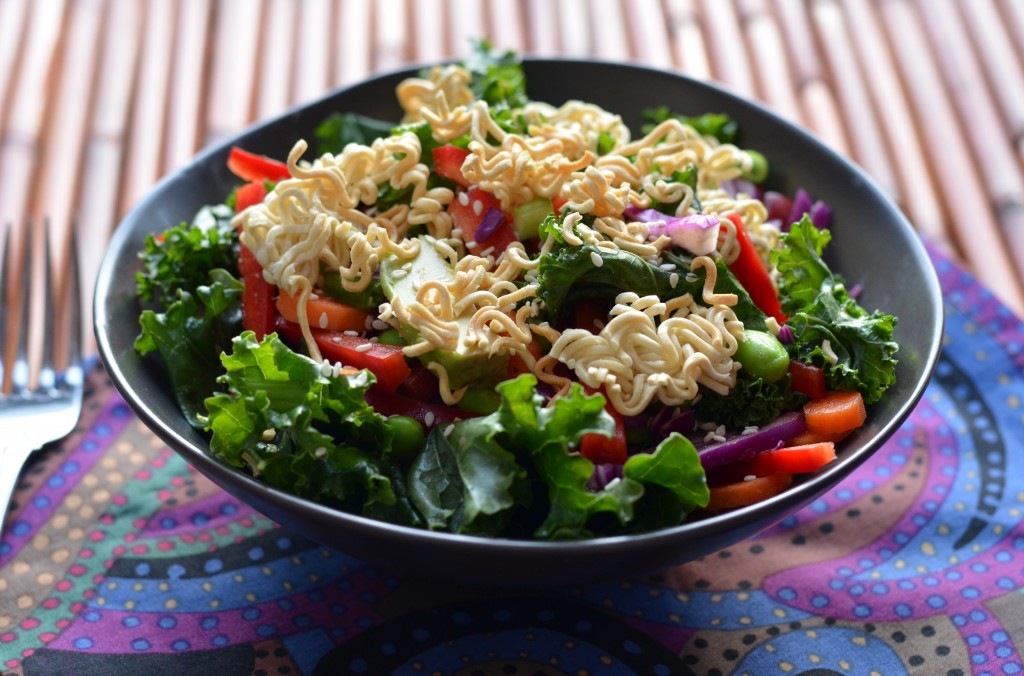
x=189 y=336
x=307 y=433
x=182 y=257
x=820 y=308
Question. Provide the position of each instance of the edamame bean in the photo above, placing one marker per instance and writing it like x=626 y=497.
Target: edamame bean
x=408 y=437
x=762 y=355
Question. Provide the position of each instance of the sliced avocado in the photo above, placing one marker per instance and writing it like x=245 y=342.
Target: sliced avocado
x=369 y=299
x=465 y=364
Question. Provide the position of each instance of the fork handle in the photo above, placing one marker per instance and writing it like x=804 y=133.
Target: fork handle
x=10 y=469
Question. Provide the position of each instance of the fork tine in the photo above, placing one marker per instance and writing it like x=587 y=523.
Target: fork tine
x=4 y=304
x=75 y=300
x=20 y=370
x=49 y=309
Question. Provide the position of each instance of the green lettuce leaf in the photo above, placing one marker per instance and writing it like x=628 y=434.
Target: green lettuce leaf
x=496 y=78
x=182 y=256
x=517 y=472
x=189 y=335
x=307 y=433
x=820 y=308
x=719 y=125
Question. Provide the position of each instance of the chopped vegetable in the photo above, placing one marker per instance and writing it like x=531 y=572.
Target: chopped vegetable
x=258 y=309
x=752 y=274
x=323 y=312
x=739 y=447
x=807 y=379
x=835 y=412
x=448 y=162
x=802 y=459
x=747 y=492
x=697 y=233
x=252 y=167
x=386 y=362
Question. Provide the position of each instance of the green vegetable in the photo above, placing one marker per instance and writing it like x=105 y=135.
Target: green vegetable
x=340 y=129
x=719 y=125
x=759 y=171
x=182 y=257
x=391 y=337
x=569 y=273
x=480 y=400
x=688 y=177
x=369 y=299
x=515 y=470
x=496 y=78
x=752 y=401
x=189 y=336
x=304 y=432
x=820 y=308
x=762 y=355
x=527 y=217
x=408 y=437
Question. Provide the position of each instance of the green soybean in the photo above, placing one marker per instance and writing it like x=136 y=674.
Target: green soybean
x=391 y=337
x=759 y=170
x=408 y=437
x=762 y=356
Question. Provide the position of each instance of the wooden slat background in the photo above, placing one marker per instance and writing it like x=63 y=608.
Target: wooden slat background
x=100 y=98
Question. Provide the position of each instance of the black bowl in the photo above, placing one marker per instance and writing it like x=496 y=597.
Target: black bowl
x=873 y=245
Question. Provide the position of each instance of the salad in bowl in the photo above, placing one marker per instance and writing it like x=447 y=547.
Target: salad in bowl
x=501 y=317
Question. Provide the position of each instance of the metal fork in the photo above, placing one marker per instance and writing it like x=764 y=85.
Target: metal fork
x=31 y=417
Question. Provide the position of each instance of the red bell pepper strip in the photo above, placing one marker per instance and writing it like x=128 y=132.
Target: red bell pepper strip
x=598 y=448
x=258 y=310
x=807 y=379
x=252 y=167
x=386 y=362
x=467 y=211
x=448 y=163
x=249 y=194
x=750 y=271
x=421 y=384
x=792 y=459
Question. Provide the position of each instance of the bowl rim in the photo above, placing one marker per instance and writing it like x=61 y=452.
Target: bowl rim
x=798 y=494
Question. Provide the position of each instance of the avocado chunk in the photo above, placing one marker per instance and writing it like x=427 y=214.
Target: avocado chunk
x=466 y=364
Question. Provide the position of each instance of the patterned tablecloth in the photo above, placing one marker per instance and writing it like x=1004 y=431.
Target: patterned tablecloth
x=121 y=559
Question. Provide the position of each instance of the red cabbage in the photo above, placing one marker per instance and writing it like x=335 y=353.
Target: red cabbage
x=492 y=220
x=745 y=446
x=801 y=205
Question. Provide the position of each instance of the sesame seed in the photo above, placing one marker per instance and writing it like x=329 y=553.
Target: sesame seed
x=429 y=418
x=478 y=207
x=268 y=434
x=596 y=259
x=335 y=339
x=400 y=273
x=673 y=279
x=365 y=347
x=668 y=267
x=471 y=245
x=320 y=452
x=381 y=326
x=749 y=429
x=448 y=430
x=350 y=332
x=749 y=477
x=486 y=252
x=323 y=320
x=326 y=369
x=313 y=296
x=463 y=199
x=691 y=277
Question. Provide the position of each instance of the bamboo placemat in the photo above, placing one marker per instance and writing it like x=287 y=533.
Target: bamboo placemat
x=100 y=98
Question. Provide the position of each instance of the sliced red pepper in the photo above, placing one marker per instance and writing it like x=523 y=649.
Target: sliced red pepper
x=807 y=379
x=253 y=167
x=598 y=448
x=386 y=362
x=752 y=274
x=792 y=460
x=258 y=310
x=249 y=194
x=448 y=163
x=421 y=384
x=428 y=414
x=468 y=209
